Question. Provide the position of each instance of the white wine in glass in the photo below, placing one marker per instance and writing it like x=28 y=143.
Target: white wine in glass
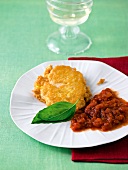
x=69 y=14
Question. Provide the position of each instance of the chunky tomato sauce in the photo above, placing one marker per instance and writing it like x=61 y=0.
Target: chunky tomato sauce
x=106 y=111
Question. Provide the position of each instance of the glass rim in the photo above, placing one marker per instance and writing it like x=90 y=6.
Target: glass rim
x=69 y=3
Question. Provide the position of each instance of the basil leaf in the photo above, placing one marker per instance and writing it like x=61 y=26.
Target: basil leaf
x=36 y=119
x=57 y=112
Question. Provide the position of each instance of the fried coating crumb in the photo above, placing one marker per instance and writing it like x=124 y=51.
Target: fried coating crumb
x=62 y=83
x=101 y=81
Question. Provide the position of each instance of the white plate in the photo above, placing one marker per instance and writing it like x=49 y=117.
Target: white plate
x=23 y=106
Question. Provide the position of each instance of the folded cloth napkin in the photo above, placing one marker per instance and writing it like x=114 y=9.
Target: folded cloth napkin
x=114 y=152
x=120 y=63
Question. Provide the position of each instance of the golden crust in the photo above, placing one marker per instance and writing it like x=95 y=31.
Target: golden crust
x=62 y=83
x=101 y=81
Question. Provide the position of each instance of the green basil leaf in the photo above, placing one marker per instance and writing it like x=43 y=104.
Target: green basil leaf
x=36 y=119
x=57 y=112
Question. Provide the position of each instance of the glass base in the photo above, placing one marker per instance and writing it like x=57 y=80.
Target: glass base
x=63 y=42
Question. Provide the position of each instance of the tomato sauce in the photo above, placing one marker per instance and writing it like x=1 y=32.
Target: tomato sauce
x=106 y=111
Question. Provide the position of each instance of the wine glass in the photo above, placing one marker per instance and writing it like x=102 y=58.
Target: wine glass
x=69 y=14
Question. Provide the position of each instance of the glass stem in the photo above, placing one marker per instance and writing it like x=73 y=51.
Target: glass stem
x=69 y=32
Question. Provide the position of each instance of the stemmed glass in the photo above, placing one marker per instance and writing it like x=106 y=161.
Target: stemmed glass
x=69 y=14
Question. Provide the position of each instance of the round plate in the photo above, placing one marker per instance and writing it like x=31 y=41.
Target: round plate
x=23 y=106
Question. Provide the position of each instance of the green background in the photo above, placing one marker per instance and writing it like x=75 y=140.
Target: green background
x=24 y=27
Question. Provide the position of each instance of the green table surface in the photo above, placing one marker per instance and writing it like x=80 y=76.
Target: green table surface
x=24 y=27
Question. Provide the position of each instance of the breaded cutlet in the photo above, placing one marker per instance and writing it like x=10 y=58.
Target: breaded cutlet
x=62 y=83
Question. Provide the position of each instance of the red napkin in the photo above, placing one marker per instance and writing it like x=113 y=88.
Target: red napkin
x=115 y=152
x=120 y=63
